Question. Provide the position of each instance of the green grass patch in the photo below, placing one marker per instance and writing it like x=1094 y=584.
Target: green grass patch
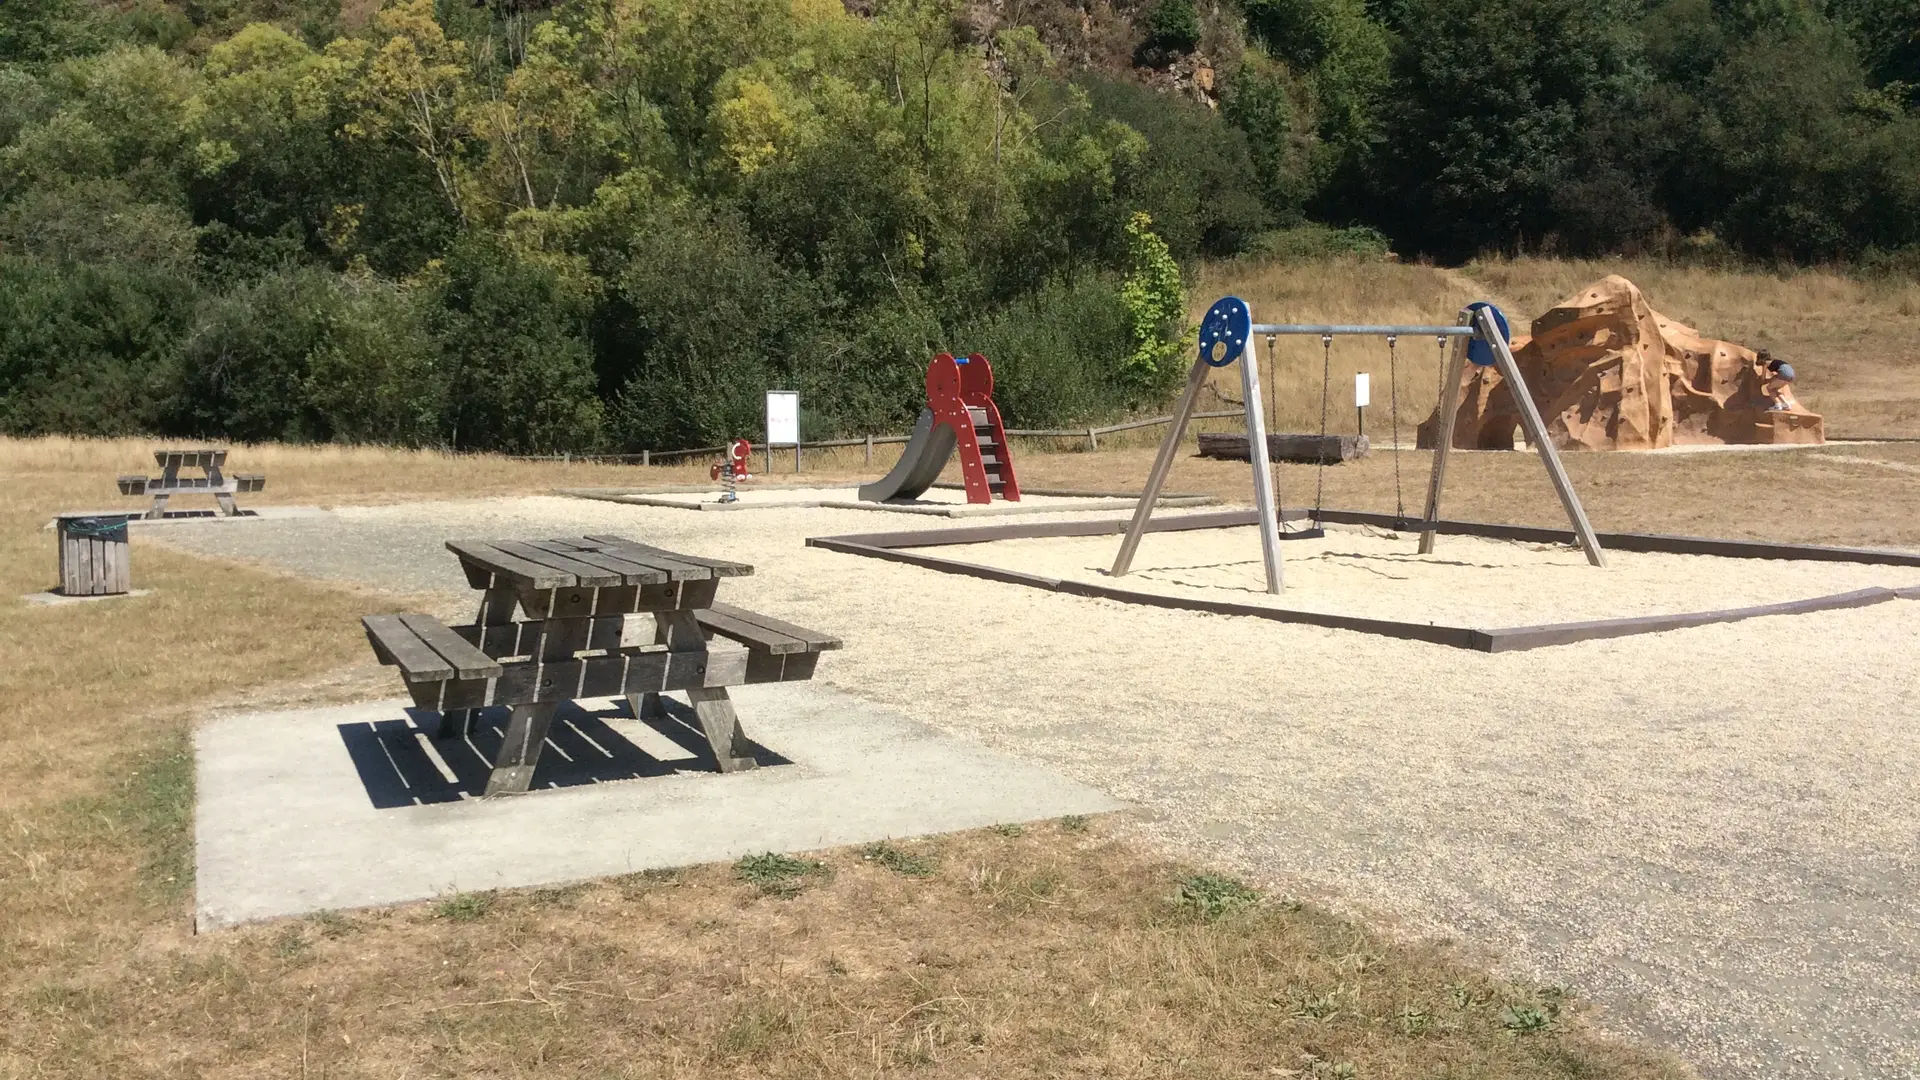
x=1211 y=896
x=152 y=804
x=464 y=907
x=898 y=861
x=778 y=875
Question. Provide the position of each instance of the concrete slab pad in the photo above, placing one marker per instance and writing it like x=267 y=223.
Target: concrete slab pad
x=354 y=806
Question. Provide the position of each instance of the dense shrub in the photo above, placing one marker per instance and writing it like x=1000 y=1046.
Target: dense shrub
x=88 y=349
x=1058 y=355
x=511 y=335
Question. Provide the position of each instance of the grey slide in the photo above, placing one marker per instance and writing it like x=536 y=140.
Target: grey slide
x=919 y=465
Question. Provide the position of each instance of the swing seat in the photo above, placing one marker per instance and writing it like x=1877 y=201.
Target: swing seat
x=1281 y=446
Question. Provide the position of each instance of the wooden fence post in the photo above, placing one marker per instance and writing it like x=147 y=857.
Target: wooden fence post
x=869 y=449
x=1093 y=441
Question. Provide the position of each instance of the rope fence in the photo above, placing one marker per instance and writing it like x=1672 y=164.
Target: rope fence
x=1091 y=434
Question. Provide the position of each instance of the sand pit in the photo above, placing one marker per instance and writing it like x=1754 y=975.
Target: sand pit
x=1468 y=581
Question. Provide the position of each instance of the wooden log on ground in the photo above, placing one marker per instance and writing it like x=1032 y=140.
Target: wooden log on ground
x=1282 y=446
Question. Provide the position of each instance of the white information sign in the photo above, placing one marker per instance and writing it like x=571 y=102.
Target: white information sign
x=783 y=418
x=1362 y=390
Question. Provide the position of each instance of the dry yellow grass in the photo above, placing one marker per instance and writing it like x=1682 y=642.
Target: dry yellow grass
x=1855 y=344
x=1338 y=291
x=1865 y=495
x=1060 y=950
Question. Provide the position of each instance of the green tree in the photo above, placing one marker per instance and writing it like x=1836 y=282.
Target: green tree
x=1156 y=305
x=1173 y=25
x=1484 y=116
x=40 y=31
x=512 y=333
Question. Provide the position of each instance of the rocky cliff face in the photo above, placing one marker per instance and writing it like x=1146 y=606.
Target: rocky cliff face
x=1608 y=372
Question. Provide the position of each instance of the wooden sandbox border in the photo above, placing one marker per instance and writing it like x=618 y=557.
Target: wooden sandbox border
x=890 y=546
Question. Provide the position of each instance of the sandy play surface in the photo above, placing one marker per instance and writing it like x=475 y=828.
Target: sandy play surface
x=1467 y=581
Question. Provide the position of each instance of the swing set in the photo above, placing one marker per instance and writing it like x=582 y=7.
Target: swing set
x=1479 y=337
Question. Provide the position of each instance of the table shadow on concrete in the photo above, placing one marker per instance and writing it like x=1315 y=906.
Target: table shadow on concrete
x=401 y=763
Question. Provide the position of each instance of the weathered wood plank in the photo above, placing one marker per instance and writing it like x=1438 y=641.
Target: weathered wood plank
x=816 y=641
x=583 y=573
x=1283 y=446
x=468 y=662
x=606 y=632
x=676 y=568
x=732 y=752
x=395 y=643
x=755 y=637
x=717 y=567
x=519 y=755
x=532 y=682
x=192 y=485
x=193 y=458
x=520 y=572
x=1517 y=638
x=766 y=667
x=631 y=573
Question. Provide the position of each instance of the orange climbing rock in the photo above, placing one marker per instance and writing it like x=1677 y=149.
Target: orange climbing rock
x=1610 y=373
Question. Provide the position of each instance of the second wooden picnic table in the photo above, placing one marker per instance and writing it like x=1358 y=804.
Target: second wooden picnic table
x=575 y=638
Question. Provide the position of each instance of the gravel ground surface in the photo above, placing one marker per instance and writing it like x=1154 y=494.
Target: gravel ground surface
x=1467 y=581
x=1714 y=833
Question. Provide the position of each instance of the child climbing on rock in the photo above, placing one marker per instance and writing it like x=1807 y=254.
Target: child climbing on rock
x=1776 y=383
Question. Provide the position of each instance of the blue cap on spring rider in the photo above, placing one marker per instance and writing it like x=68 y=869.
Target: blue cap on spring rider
x=1224 y=332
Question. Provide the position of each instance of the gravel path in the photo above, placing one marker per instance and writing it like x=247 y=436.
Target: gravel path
x=1714 y=833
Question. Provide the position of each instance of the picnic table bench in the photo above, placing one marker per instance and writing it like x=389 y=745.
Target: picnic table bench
x=170 y=483
x=601 y=616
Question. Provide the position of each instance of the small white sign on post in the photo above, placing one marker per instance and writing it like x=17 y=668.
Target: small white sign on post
x=783 y=417
x=783 y=424
x=1362 y=390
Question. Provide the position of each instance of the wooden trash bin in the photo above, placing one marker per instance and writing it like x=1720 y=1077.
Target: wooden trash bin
x=93 y=554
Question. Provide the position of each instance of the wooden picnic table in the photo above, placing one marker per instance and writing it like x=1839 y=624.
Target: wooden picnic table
x=170 y=483
x=598 y=616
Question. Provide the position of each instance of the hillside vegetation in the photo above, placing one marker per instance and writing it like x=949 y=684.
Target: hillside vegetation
x=611 y=224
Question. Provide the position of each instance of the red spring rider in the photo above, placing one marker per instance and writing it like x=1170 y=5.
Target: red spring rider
x=734 y=469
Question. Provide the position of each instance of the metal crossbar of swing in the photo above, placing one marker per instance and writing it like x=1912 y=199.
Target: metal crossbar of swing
x=1377 y=331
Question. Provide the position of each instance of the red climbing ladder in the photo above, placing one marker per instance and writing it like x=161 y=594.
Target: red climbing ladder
x=960 y=394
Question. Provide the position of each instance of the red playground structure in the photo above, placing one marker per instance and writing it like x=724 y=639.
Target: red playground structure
x=960 y=415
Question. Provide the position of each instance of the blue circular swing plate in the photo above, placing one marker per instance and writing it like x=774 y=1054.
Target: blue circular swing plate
x=1479 y=351
x=1228 y=323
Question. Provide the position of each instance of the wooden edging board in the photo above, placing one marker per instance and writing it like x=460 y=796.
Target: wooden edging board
x=890 y=547
x=1646 y=542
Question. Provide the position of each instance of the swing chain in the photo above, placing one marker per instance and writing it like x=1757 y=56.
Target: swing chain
x=1393 y=395
x=1279 y=504
x=1326 y=376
